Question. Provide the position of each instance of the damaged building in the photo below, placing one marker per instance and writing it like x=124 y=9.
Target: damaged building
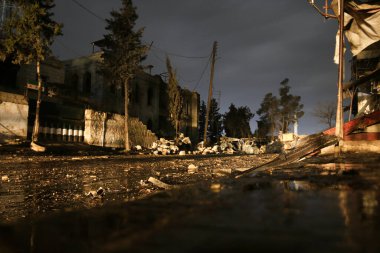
x=365 y=76
x=77 y=105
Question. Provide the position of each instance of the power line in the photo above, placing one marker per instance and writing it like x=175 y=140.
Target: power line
x=203 y=72
x=88 y=10
x=159 y=58
x=157 y=48
x=179 y=55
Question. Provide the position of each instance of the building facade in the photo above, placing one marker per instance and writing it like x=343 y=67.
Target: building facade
x=73 y=86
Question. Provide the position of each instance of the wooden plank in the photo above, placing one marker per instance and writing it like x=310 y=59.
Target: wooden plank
x=310 y=145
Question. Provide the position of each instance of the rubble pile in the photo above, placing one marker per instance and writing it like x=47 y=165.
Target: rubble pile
x=180 y=146
x=231 y=146
x=274 y=147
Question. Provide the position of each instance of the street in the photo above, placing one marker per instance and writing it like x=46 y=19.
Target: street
x=323 y=203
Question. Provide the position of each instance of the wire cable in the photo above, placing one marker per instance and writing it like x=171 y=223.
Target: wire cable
x=179 y=55
x=203 y=72
x=157 y=48
x=88 y=10
x=67 y=47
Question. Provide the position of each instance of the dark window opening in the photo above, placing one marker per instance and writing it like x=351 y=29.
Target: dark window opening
x=149 y=124
x=113 y=88
x=87 y=83
x=74 y=81
x=188 y=108
x=136 y=94
x=150 y=96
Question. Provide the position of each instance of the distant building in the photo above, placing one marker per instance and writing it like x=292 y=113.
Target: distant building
x=72 y=86
x=83 y=74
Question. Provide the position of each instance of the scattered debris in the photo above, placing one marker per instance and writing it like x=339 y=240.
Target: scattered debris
x=216 y=188
x=160 y=184
x=242 y=169
x=142 y=183
x=5 y=178
x=97 y=194
x=171 y=147
x=221 y=171
x=37 y=148
x=308 y=145
x=192 y=169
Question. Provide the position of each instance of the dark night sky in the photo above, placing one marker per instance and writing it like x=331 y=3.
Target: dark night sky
x=259 y=44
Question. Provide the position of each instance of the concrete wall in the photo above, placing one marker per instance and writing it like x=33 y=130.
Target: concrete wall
x=104 y=129
x=13 y=117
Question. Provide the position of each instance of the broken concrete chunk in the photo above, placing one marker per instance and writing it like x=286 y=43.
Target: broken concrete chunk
x=154 y=145
x=186 y=141
x=216 y=148
x=191 y=169
x=181 y=153
x=160 y=184
x=216 y=188
x=37 y=148
x=96 y=194
x=5 y=178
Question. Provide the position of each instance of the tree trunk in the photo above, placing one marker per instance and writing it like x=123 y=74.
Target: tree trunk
x=126 y=115
x=37 y=118
x=176 y=128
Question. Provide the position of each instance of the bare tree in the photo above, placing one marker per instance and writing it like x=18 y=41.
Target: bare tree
x=325 y=112
x=175 y=98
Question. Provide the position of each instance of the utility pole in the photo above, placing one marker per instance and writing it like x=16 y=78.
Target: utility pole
x=340 y=16
x=219 y=95
x=339 y=111
x=214 y=48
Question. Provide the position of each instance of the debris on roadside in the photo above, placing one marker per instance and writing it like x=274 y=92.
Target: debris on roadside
x=160 y=184
x=37 y=148
x=227 y=145
x=191 y=169
x=96 y=194
x=5 y=178
x=216 y=188
x=171 y=147
x=220 y=171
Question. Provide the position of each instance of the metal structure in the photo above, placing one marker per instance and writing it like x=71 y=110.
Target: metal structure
x=340 y=17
